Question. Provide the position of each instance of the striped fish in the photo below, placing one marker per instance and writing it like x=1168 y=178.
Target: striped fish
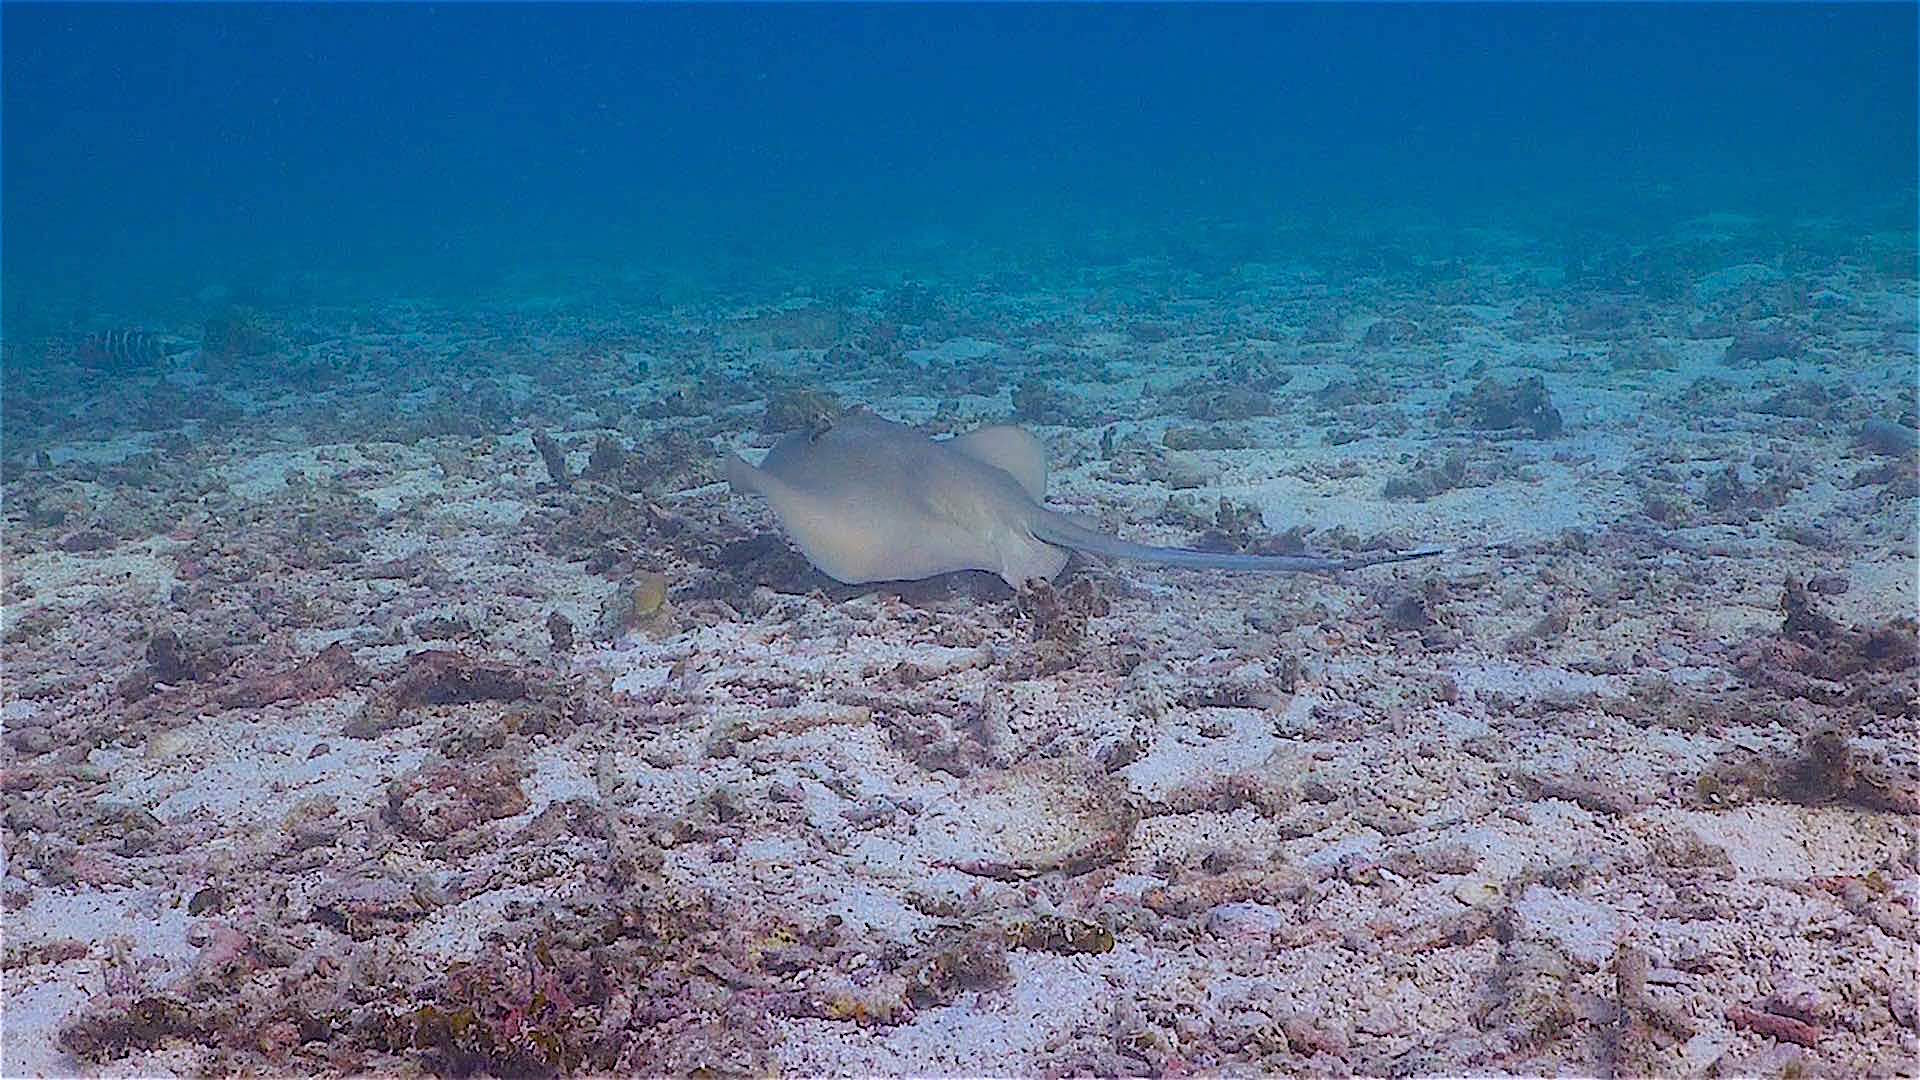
x=119 y=349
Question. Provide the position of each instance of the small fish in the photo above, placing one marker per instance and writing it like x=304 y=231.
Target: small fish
x=121 y=349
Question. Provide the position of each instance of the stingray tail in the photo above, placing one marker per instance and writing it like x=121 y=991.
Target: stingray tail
x=1059 y=529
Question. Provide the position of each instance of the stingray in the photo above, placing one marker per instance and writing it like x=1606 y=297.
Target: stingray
x=870 y=500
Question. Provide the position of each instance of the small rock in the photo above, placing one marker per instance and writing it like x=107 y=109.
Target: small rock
x=1244 y=921
x=1829 y=584
x=1476 y=893
x=560 y=632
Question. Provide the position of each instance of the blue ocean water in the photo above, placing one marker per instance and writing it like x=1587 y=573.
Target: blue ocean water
x=154 y=151
x=1450 y=610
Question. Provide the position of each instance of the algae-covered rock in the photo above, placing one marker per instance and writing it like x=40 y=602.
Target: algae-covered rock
x=1524 y=408
x=811 y=411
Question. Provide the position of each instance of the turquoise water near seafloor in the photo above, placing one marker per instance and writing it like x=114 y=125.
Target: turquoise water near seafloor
x=156 y=153
x=394 y=682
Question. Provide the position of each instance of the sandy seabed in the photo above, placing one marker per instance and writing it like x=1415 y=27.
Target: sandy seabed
x=398 y=689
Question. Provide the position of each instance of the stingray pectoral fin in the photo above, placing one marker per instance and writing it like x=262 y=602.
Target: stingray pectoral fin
x=1024 y=557
x=839 y=547
x=743 y=476
x=1012 y=450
